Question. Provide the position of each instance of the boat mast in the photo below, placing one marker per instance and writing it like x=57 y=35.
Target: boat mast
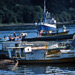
x=44 y=10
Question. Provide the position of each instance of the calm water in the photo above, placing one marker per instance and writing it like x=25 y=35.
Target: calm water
x=37 y=69
x=32 y=32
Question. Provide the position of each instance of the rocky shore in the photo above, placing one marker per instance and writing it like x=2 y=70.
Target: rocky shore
x=6 y=60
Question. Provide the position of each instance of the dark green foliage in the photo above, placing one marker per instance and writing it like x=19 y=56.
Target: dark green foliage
x=19 y=11
x=23 y=11
x=62 y=10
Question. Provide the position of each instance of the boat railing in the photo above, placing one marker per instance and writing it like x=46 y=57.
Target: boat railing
x=53 y=55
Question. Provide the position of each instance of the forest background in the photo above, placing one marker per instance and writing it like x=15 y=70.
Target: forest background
x=29 y=11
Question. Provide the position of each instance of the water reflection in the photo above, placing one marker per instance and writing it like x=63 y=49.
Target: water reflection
x=50 y=69
x=44 y=70
x=5 y=72
x=33 y=32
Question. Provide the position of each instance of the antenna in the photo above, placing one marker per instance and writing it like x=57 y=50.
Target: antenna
x=44 y=6
x=44 y=10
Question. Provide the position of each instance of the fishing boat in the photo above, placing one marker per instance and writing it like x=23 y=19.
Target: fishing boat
x=42 y=55
x=48 y=27
x=43 y=38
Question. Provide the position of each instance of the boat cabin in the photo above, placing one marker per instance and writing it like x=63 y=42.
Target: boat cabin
x=26 y=53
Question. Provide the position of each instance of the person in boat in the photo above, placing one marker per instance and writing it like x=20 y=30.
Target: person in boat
x=16 y=38
x=23 y=35
x=14 y=34
x=5 y=37
x=52 y=21
x=64 y=28
x=10 y=38
x=20 y=38
x=41 y=31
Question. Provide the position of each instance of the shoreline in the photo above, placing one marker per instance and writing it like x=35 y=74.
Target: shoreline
x=34 y=24
x=6 y=61
x=30 y=26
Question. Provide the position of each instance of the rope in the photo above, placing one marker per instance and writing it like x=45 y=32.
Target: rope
x=15 y=65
